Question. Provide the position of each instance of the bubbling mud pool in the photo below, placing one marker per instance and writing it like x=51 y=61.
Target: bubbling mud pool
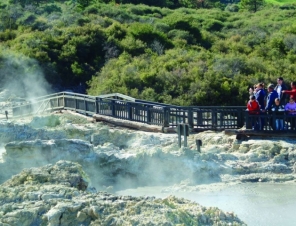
x=258 y=204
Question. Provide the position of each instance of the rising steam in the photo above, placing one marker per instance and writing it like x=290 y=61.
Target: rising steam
x=22 y=76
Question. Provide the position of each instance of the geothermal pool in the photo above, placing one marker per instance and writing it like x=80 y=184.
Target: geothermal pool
x=257 y=204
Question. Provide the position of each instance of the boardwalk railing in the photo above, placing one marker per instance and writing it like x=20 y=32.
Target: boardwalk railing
x=123 y=107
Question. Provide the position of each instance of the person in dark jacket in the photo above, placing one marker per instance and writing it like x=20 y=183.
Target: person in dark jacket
x=281 y=86
x=272 y=95
x=279 y=111
x=260 y=95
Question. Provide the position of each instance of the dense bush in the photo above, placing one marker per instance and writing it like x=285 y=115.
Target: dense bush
x=181 y=56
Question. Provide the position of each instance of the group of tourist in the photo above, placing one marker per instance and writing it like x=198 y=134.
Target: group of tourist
x=277 y=99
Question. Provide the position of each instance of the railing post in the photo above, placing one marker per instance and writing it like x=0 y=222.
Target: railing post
x=214 y=119
x=113 y=108
x=64 y=99
x=96 y=106
x=129 y=111
x=190 y=118
x=185 y=133
x=75 y=100
x=199 y=118
x=148 y=114
x=240 y=118
x=179 y=130
x=84 y=106
x=273 y=120
x=99 y=105
x=166 y=116
x=248 y=124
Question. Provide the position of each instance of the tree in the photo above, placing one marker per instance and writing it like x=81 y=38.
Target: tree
x=252 y=5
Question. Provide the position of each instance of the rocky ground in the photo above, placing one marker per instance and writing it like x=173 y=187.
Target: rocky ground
x=114 y=158
x=59 y=195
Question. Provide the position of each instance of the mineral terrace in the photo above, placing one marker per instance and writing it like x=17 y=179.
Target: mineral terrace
x=63 y=169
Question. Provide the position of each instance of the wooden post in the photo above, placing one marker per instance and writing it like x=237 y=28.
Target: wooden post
x=166 y=116
x=198 y=144
x=182 y=129
x=248 y=124
x=190 y=118
x=75 y=100
x=179 y=134
x=113 y=108
x=240 y=118
x=84 y=106
x=96 y=106
x=185 y=131
x=214 y=119
x=129 y=111
x=273 y=120
x=199 y=118
x=148 y=114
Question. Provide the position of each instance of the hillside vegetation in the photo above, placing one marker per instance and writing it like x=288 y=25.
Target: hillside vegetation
x=205 y=56
x=281 y=2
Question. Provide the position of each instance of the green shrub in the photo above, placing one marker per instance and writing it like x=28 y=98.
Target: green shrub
x=213 y=25
x=50 y=8
x=178 y=21
x=133 y=46
x=93 y=9
x=146 y=33
x=181 y=34
x=116 y=30
x=290 y=42
x=7 y=35
x=40 y=24
x=232 y=8
x=161 y=27
x=82 y=21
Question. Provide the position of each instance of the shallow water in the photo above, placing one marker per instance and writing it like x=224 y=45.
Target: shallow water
x=258 y=204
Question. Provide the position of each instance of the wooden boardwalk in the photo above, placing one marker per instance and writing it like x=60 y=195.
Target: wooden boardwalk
x=164 y=116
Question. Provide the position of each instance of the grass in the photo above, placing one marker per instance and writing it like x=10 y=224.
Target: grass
x=281 y=2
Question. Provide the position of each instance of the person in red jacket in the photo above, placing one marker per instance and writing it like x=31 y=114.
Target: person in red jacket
x=254 y=109
x=292 y=92
x=253 y=106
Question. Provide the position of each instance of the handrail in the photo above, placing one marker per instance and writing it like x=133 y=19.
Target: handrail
x=117 y=95
x=128 y=108
x=198 y=117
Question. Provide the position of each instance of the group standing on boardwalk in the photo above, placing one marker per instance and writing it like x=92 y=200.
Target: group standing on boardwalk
x=276 y=104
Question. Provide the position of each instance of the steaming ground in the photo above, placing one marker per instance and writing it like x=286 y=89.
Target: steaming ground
x=120 y=158
x=22 y=77
x=117 y=159
x=60 y=193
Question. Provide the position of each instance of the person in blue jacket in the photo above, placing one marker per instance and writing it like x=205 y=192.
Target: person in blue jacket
x=260 y=97
x=272 y=95
x=270 y=100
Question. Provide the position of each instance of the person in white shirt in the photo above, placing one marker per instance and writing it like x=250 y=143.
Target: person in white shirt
x=279 y=88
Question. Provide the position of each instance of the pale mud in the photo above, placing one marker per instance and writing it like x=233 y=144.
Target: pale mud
x=118 y=159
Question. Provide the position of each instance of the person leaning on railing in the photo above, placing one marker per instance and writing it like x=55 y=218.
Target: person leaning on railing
x=292 y=92
x=281 y=86
x=254 y=109
x=290 y=108
x=279 y=111
x=272 y=95
x=260 y=94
